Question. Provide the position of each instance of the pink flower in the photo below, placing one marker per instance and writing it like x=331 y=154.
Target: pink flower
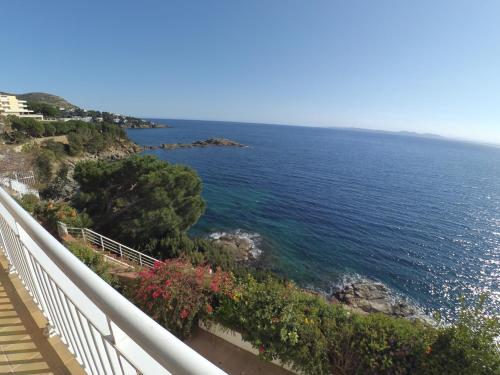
x=184 y=314
x=156 y=294
x=214 y=286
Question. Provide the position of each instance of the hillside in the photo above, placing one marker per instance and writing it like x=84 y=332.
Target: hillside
x=43 y=97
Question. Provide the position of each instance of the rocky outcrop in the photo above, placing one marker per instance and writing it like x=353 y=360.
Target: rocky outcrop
x=119 y=150
x=372 y=297
x=216 y=142
x=146 y=125
x=243 y=245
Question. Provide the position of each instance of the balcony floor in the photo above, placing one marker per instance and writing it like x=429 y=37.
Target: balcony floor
x=24 y=349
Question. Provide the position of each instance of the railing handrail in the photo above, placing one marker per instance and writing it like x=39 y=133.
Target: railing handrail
x=161 y=345
x=139 y=253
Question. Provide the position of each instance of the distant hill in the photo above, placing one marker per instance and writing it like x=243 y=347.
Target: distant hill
x=51 y=99
x=43 y=97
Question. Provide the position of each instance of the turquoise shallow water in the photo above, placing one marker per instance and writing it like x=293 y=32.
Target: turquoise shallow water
x=421 y=215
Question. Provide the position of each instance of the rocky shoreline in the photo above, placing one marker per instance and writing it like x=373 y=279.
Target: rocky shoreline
x=361 y=295
x=147 y=126
x=244 y=245
x=211 y=142
x=367 y=296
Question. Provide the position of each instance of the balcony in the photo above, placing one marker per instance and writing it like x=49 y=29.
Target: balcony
x=57 y=316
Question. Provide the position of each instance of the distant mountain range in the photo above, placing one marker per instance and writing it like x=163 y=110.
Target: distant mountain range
x=402 y=132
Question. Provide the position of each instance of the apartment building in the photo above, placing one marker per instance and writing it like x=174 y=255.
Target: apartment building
x=10 y=105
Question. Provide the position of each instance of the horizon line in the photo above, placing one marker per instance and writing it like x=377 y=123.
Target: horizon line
x=410 y=133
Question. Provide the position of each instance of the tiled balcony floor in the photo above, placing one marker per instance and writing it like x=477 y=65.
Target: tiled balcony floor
x=24 y=349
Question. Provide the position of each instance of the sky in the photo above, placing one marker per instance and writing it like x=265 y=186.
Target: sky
x=424 y=66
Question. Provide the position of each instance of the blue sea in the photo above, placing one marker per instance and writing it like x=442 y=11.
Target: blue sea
x=420 y=215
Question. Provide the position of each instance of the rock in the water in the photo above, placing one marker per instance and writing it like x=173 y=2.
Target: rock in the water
x=218 y=142
x=242 y=244
x=371 y=297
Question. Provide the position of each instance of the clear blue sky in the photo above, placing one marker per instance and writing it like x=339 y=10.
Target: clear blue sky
x=426 y=65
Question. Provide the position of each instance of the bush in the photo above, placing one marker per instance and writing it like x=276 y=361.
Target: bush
x=49 y=213
x=29 y=202
x=378 y=344
x=44 y=164
x=49 y=129
x=76 y=146
x=281 y=321
x=199 y=251
x=57 y=148
x=316 y=337
x=471 y=346
x=93 y=260
x=177 y=294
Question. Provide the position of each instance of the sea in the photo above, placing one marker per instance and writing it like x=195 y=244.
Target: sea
x=325 y=206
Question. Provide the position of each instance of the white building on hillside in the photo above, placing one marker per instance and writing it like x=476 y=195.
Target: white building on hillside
x=10 y=105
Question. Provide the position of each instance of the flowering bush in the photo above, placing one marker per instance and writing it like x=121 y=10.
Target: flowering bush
x=48 y=213
x=281 y=321
x=316 y=337
x=177 y=294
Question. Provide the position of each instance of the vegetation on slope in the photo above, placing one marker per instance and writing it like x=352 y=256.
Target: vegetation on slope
x=312 y=335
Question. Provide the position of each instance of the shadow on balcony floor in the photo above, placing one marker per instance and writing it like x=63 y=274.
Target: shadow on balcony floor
x=230 y=358
x=24 y=349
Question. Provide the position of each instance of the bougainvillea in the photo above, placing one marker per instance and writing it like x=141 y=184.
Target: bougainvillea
x=177 y=294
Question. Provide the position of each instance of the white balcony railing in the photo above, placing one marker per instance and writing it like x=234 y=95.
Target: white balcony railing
x=106 y=332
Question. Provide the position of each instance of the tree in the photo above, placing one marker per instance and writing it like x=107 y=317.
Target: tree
x=75 y=143
x=44 y=109
x=140 y=199
x=50 y=129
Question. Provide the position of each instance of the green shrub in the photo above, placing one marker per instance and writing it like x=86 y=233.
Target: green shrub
x=378 y=344
x=29 y=202
x=49 y=129
x=44 y=164
x=57 y=148
x=281 y=321
x=199 y=251
x=470 y=346
x=317 y=337
x=76 y=145
x=93 y=260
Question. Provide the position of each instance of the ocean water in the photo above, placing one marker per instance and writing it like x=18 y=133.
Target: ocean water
x=420 y=215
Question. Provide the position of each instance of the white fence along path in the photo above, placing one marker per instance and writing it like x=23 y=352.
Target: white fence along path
x=107 y=244
x=21 y=182
x=106 y=332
